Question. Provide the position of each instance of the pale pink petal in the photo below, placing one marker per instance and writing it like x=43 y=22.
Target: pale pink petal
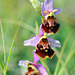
x=57 y=11
x=23 y=63
x=48 y=5
x=42 y=11
x=32 y=42
x=36 y=58
x=41 y=69
x=54 y=43
x=41 y=31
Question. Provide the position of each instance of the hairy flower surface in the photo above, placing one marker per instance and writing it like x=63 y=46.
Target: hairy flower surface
x=50 y=25
x=33 y=67
x=43 y=48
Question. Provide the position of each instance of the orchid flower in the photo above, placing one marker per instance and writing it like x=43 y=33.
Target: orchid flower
x=47 y=7
x=33 y=67
x=49 y=23
x=43 y=45
x=43 y=48
x=34 y=40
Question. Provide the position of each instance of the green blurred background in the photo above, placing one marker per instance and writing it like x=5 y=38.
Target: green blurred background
x=11 y=12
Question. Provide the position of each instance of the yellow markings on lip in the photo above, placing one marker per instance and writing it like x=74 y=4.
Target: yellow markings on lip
x=49 y=25
x=44 y=47
x=46 y=50
x=46 y=57
x=40 y=48
x=50 y=20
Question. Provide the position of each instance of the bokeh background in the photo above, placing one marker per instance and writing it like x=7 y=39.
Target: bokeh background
x=11 y=12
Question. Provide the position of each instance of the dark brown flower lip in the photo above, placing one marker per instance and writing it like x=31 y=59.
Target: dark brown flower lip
x=44 y=52
x=50 y=18
x=32 y=71
x=50 y=28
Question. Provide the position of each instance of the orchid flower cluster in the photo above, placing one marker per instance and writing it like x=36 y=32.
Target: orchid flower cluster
x=42 y=42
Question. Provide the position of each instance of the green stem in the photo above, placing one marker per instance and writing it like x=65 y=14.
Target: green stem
x=67 y=60
x=72 y=68
x=1 y=65
x=1 y=73
x=43 y=61
x=42 y=17
x=37 y=27
x=61 y=53
x=12 y=47
x=3 y=45
x=62 y=62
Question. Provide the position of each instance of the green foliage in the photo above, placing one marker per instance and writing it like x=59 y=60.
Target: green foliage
x=1 y=66
x=37 y=27
x=36 y=5
x=11 y=12
x=60 y=56
x=11 y=48
x=44 y=63
x=66 y=62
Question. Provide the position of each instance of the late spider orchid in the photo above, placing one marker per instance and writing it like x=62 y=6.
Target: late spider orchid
x=47 y=8
x=49 y=23
x=42 y=42
x=34 y=40
x=43 y=45
x=43 y=48
x=33 y=67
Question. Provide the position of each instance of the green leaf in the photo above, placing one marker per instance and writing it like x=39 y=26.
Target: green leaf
x=62 y=62
x=2 y=67
x=1 y=73
x=43 y=61
x=42 y=17
x=61 y=53
x=3 y=44
x=72 y=68
x=66 y=62
x=37 y=27
x=12 y=47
